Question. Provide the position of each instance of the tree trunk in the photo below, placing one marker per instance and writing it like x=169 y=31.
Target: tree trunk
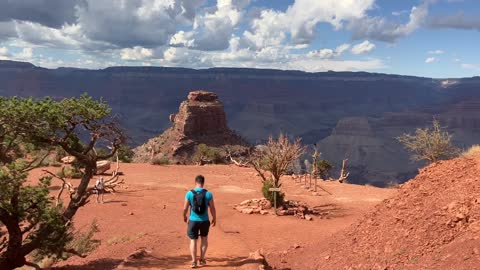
x=79 y=197
x=12 y=257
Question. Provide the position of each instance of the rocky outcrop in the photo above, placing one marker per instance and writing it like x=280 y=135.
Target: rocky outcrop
x=201 y=119
x=201 y=115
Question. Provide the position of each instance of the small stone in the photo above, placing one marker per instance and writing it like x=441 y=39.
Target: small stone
x=267 y=205
x=327 y=258
x=245 y=202
x=476 y=251
x=124 y=204
x=451 y=205
x=263 y=212
x=296 y=246
x=131 y=213
x=247 y=211
x=308 y=217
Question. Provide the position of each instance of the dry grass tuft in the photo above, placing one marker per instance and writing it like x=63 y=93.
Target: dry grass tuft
x=473 y=152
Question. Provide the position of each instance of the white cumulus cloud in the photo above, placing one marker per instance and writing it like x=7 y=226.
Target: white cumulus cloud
x=136 y=53
x=430 y=60
x=364 y=47
x=380 y=28
x=301 y=18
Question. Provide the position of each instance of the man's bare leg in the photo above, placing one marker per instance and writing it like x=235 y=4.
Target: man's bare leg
x=193 y=250
x=203 y=249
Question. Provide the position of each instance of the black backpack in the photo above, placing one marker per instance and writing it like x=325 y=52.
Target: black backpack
x=199 y=205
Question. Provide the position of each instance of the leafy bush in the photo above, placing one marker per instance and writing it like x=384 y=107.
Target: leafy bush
x=70 y=172
x=125 y=154
x=160 y=160
x=205 y=154
x=323 y=167
x=430 y=144
x=269 y=194
x=50 y=161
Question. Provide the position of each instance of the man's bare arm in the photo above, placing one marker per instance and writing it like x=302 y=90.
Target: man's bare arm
x=214 y=213
x=186 y=206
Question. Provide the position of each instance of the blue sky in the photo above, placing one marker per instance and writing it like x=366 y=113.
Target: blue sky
x=431 y=38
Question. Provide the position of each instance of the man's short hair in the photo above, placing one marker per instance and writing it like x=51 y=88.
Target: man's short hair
x=200 y=179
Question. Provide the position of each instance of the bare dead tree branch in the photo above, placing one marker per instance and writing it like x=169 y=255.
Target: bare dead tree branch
x=343 y=172
x=276 y=157
x=237 y=163
x=65 y=184
x=30 y=165
x=34 y=265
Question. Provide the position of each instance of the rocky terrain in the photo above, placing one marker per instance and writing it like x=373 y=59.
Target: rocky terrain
x=200 y=120
x=433 y=222
x=357 y=112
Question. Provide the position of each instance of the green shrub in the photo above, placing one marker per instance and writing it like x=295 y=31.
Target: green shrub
x=430 y=144
x=70 y=172
x=323 y=168
x=125 y=154
x=205 y=154
x=50 y=161
x=269 y=194
x=160 y=160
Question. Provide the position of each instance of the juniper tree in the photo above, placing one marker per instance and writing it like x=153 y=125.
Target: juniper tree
x=29 y=219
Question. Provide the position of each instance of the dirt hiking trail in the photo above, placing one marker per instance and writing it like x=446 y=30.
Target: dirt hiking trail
x=147 y=214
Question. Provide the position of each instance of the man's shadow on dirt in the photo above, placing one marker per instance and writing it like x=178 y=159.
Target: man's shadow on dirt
x=104 y=264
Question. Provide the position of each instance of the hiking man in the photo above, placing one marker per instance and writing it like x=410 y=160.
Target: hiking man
x=100 y=189
x=199 y=200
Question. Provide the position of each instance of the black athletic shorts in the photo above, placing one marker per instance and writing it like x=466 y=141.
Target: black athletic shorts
x=196 y=227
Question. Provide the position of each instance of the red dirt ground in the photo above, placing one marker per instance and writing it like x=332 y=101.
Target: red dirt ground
x=433 y=222
x=147 y=213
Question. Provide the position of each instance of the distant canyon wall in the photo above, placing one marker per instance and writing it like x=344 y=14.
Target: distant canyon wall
x=353 y=115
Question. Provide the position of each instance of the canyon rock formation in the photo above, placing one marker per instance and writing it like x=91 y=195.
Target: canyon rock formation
x=201 y=119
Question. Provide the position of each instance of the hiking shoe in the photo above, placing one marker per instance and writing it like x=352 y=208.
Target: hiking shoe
x=194 y=265
x=203 y=262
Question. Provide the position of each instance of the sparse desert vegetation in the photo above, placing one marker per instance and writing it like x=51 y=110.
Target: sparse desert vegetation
x=472 y=152
x=430 y=144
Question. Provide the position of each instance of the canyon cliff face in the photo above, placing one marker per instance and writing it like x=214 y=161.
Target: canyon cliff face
x=258 y=103
x=200 y=119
